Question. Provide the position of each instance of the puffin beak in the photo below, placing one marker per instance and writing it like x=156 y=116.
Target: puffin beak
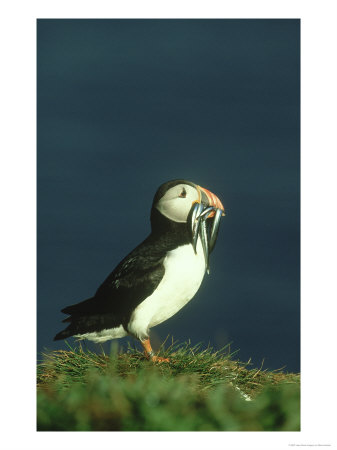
x=208 y=206
x=211 y=200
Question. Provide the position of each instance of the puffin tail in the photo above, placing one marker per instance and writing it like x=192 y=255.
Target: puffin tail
x=76 y=313
x=63 y=334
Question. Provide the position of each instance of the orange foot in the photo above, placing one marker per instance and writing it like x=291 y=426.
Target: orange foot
x=150 y=354
x=159 y=359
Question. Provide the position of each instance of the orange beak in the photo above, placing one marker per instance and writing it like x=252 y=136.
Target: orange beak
x=212 y=200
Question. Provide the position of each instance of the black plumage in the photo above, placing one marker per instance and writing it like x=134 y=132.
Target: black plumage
x=131 y=282
x=159 y=276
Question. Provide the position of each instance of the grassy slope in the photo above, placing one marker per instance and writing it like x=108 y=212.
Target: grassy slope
x=197 y=390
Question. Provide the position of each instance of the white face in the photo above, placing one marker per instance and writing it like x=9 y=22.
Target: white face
x=177 y=202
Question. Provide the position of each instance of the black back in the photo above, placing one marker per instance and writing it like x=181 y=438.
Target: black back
x=131 y=282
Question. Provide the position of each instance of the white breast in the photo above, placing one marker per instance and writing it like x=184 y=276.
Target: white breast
x=184 y=271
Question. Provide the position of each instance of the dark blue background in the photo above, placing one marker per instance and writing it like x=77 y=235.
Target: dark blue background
x=125 y=105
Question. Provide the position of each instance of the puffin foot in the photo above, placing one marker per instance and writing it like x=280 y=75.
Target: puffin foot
x=149 y=353
x=159 y=359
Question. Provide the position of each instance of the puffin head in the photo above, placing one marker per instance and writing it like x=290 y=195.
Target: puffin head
x=184 y=202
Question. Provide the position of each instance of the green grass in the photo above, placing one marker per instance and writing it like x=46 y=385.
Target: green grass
x=198 y=390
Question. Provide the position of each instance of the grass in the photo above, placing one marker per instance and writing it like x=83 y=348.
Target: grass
x=198 y=390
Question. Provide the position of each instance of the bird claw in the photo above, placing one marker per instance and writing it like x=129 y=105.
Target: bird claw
x=155 y=358
x=159 y=359
x=149 y=353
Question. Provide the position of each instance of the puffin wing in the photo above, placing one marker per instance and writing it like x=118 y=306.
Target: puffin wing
x=132 y=281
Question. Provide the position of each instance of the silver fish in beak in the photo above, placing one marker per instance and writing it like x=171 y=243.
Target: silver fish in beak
x=205 y=221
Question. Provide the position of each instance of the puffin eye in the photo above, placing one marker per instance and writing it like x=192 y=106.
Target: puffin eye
x=183 y=193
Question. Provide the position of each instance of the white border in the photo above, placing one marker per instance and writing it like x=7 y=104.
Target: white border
x=319 y=119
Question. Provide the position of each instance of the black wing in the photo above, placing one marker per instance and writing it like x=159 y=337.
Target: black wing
x=133 y=280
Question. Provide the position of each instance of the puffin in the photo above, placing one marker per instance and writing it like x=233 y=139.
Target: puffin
x=160 y=276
